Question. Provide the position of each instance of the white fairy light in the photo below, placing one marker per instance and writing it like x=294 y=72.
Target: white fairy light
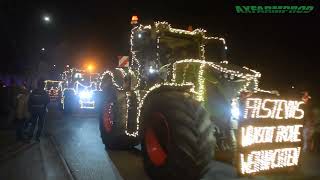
x=107 y=72
x=257 y=161
x=201 y=83
x=256 y=108
x=141 y=102
x=93 y=86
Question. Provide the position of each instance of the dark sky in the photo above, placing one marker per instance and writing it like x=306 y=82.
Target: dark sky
x=284 y=48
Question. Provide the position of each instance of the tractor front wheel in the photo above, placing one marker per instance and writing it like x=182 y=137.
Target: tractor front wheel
x=177 y=138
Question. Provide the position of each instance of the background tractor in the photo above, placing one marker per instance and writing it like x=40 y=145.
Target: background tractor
x=179 y=98
x=80 y=90
x=53 y=88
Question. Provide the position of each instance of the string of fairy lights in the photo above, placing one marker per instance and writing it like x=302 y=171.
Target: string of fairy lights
x=94 y=85
x=135 y=67
x=256 y=108
x=264 y=160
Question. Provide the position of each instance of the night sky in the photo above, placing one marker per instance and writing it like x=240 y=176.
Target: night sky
x=284 y=48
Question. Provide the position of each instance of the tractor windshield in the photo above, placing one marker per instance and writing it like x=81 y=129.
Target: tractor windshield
x=83 y=78
x=214 y=50
x=52 y=84
x=177 y=47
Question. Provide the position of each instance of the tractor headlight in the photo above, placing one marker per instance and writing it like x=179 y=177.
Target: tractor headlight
x=235 y=111
x=85 y=95
x=151 y=70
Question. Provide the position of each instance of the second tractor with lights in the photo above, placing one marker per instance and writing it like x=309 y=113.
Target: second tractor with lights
x=80 y=89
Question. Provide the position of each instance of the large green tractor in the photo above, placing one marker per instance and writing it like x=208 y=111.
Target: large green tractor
x=179 y=99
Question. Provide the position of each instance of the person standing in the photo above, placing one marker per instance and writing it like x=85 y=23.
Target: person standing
x=22 y=113
x=38 y=101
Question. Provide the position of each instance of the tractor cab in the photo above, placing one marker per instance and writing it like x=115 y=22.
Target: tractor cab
x=53 y=88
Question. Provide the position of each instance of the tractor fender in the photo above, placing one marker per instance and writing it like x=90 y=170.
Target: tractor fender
x=159 y=88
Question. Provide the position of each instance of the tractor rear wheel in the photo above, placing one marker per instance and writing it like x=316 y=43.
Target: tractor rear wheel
x=177 y=140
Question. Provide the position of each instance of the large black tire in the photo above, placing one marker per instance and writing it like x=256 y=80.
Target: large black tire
x=115 y=137
x=183 y=131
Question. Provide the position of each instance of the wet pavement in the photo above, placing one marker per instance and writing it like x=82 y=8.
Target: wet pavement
x=72 y=149
x=78 y=138
x=27 y=165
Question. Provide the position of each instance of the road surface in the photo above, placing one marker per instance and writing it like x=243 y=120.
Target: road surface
x=78 y=138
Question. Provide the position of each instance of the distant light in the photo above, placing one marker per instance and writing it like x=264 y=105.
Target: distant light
x=43 y=49
x=139 y=35
x=46 y=18
x=292 y=87
x=134 y=20
x=67 y=66
x=90 y=67
x=85 y=94
x=54 y=65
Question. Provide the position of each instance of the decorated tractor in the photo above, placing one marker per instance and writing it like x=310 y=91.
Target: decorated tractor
x=53 y=88
x=80 y=90
x=186 y=105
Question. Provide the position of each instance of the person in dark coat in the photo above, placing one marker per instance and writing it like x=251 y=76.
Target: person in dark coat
x=38 y=101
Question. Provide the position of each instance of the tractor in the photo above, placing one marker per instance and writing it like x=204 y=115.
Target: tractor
x=179 y=98
x=80 y=90
x=53 y=88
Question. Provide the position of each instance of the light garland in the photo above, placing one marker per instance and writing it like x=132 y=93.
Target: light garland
x=166 y=26
x=254 y=161
x=107 y=72
x=141 y=102
x=93 y=86
x=270 y=134
x=201 y=82
x=123 y=72
x=282 y=115
x=289 y=133
x=255 y=106
x=53 y=91
x=248 y=77
x=127 y=110
x=263 y=160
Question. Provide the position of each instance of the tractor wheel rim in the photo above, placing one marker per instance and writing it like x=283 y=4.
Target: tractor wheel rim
x=156 y=152
x=107 y=119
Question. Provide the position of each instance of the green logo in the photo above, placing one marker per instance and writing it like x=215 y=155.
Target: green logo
x=273 y=9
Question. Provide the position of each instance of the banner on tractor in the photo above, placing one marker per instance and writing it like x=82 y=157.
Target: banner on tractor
x=270 y=135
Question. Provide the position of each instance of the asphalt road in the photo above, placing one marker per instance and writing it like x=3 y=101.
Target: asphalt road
x=78 y=138
x=28 y=166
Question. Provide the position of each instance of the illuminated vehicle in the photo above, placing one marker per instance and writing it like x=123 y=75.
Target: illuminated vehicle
x=53 y=88
x=80 y=88
x=186 y=104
